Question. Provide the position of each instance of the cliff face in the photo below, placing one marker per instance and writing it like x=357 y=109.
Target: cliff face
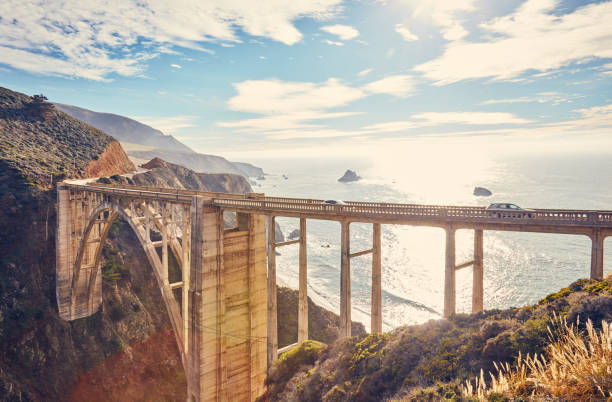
x=110 y=162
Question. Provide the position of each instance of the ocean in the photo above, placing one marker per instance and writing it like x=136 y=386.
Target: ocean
x=519 y=268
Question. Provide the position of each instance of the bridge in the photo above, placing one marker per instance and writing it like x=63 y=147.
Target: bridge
x=223 y=310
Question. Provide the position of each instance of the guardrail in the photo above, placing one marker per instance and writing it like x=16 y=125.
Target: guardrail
x=355 y=209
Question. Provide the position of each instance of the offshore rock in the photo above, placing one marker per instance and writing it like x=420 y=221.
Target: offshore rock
x=482 y=192
x=349 y=176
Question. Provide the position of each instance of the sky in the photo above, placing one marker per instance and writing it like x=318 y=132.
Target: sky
x=234 y=77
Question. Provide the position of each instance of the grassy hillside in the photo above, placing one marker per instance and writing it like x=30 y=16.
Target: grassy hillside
x=430 y=361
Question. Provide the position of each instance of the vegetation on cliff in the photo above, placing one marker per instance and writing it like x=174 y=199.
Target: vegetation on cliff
x=432 y=360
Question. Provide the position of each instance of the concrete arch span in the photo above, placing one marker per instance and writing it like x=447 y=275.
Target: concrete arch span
x=94 y=219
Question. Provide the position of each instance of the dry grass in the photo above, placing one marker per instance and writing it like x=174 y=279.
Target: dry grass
x=575 y=366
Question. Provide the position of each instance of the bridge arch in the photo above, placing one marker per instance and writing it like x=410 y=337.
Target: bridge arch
x=92 y=218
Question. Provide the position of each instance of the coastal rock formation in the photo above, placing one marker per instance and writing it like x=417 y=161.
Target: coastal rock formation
x=295 y=234
x=349 y=176
x=482 y=192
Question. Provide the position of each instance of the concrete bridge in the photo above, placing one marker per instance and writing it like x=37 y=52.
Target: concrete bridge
x=223 y=310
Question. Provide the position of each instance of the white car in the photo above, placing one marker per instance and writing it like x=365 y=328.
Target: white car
x=507 y=210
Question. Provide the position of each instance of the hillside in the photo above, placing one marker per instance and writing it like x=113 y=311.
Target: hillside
x=125 y=129
x=429 y=361
x=143 y=143
x=124 y=351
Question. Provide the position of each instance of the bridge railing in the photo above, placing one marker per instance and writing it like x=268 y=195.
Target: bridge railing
x=446 y=213
x=357 y=209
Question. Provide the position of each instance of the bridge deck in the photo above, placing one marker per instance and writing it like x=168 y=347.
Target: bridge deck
x=535 y=220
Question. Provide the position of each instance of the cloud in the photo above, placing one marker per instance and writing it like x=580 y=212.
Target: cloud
x=176 y=66
x=396 y=85
x=330 y=42
x=478 y=118
x=445 y=14
x=274 y=97
x=543 y=97
x=365 y=72
x=431 y=119
x=533 y=38
x=167 y=125
x=94 y=40
x=344 y=32
x=405 y=32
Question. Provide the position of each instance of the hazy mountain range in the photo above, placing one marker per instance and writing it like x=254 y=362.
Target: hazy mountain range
x=143 y=143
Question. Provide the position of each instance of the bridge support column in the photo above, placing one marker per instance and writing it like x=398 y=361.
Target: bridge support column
x=597 y=247
x=185 y=274
x=449 y=273
x=63 y=249
x=204 y=373
x=303 y=291
x=376 y=314
x=164 y=235
x=345 y=280
x=272 y=341
x=478 y=273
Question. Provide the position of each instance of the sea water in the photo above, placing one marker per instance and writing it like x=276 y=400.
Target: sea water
x=519 y=268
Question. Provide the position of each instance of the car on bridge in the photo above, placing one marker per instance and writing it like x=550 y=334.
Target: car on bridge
x=507 y=210
x=333 y=202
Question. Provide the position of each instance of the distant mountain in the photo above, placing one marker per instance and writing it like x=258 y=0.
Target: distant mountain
x=143 y=143
x=125 y=129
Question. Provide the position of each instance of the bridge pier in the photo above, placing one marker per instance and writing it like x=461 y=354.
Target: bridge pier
x=376 y=312
x=303 y=287
x=345 y=280
x=478 y=273
x=227 y=321
x=449 y=274
x=597 y=248
x=272 y=341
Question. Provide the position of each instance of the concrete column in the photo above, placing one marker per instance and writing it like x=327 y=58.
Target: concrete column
x=597 y=248
x=303 y=292
x=345 y=281
x=205 y=357
x=376 y=314
x=164 y=233
x=272 y=315
x=258 y=295
x=147 y=222
x=449 y=273
x=478 y=273
x=63 y=250
x=185 y=273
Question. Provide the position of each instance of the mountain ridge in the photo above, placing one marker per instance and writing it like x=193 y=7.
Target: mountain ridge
x=143 y=143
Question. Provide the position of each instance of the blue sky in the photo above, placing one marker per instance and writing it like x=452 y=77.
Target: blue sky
x=322 y=75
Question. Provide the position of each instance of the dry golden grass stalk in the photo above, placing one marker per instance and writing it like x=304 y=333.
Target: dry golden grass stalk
x=577 y=366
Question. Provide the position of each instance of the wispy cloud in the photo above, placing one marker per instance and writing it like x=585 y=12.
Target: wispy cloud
x=396 y=85
x=533 y=38
x=331 y=42
x=289 y=108
x=405 y=33
x=177 y=66
x=365 y=72
x=431 y=119
x=554 y=98
x=344 y=32
x=445 y=14
x=94 y=40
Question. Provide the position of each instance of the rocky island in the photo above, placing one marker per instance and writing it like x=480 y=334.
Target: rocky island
x=482 y=192
x=349 y=176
